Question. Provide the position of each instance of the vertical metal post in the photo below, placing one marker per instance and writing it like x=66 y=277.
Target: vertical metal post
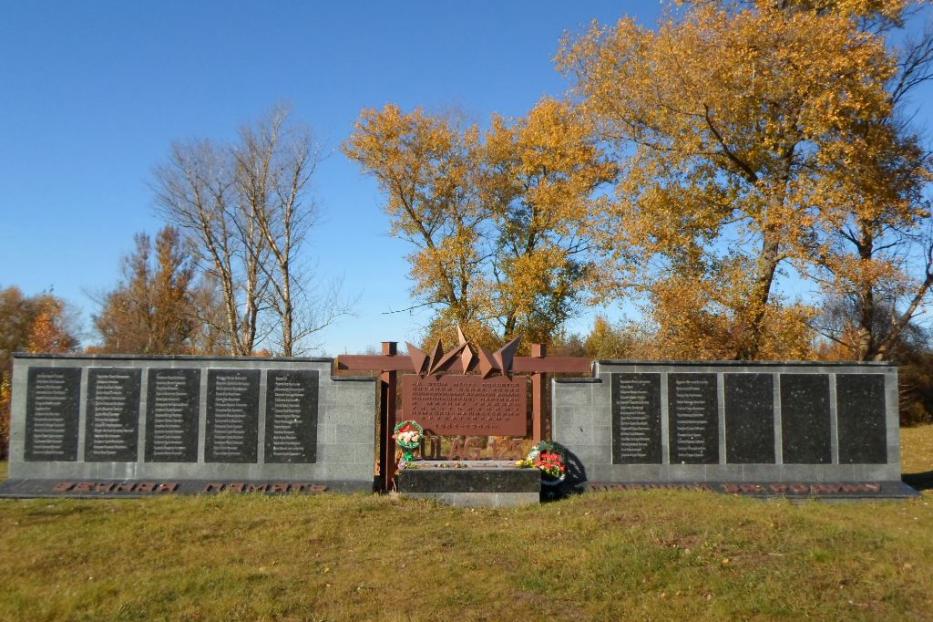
x=538 y=384
x=387 y=399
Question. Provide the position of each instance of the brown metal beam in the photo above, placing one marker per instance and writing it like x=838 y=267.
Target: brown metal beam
x=520 y=364
x=387 y=415
x=538 y=384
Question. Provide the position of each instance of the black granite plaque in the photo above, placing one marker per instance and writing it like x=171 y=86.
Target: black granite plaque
x=636 y=418
x=172 y=415
x=805 y=435
x=232 y=416
x=291 y=416
x=749 y=418
x=112 y=426
x=694 y=418
x=860 y=413
x=52 y=395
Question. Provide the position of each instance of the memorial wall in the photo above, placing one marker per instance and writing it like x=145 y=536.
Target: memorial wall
x=111 y=417
x=731 y=422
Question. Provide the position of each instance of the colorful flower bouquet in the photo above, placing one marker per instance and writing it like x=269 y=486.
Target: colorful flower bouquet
x=549 y=459
x=408 y=435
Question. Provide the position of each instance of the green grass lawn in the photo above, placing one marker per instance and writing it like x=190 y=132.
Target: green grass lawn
x=602 y=556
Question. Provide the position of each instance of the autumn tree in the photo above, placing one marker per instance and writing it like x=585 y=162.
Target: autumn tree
x=245 y=207
x=497 y=219
x=608 y=341
x=729 y=120
x=874 y=241
x=537 y=179
x=424 y=167
x=41 y=323
x=154 y=308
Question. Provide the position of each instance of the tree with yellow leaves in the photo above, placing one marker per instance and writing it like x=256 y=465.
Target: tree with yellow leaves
x=736 y=120
x=498 y=219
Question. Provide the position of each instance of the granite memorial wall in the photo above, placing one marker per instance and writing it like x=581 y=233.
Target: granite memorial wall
x=731 y=422
x=121 y=418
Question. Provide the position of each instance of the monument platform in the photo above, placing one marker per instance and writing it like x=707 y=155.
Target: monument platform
x=471 y=483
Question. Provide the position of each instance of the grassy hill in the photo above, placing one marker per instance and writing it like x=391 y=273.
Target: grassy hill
x=601 y=556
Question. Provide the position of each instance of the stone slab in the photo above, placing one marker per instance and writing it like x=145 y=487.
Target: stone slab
x=468 y=477
x=52 y=414
x=479 y=499
x=173 y=414
x=749 y=400
x=112 y=429
x=232 y=431
x=636 y=418
x=860 y=408
x=694 y=418
x=291 y=416
x=805 y=419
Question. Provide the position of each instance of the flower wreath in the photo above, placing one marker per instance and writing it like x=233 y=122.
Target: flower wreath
x=549 y=459
x=408 y=435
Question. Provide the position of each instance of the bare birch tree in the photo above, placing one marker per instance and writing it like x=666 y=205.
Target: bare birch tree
x=195 y=191
x=248 y=207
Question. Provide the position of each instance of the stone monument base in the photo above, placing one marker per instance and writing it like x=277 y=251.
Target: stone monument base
x=848 y=491
x=471 y=483
x=134 y=489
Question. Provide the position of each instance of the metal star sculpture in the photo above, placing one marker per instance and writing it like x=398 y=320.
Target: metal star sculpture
x=439 y=361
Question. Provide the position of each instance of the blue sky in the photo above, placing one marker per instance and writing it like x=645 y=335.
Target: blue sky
x=93 y=93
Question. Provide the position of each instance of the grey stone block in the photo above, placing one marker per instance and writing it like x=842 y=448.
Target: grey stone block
x=479 y=499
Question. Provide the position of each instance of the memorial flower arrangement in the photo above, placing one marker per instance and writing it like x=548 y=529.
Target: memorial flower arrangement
x=549 y=459
x=408 y=435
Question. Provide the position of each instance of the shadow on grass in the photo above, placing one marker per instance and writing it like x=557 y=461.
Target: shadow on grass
x=919 y=481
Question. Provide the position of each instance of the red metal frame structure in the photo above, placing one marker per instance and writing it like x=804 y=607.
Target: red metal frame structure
x=461 y=359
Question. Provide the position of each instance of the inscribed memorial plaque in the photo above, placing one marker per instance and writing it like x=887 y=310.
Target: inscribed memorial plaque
x=805 y=430
x=232 y=416
x=291 y=416
x=172 y=415
x=861 y=412
x=749 y=418
x=694 y=418
x=52 y=413
x=636 y=418
x=467 y=405
x=112 y=426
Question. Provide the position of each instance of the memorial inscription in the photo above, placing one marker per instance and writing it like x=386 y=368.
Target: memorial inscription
x=291 y=416
x=112 y=425
x=467 y=405
x=172 y=415
x=694 y=418
x=52 y=414
x=636 y=418
x=232 y=416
